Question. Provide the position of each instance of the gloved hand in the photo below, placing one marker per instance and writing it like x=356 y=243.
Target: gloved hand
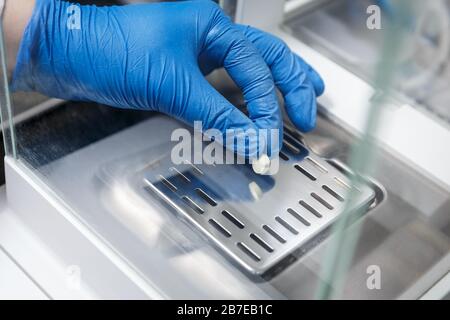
x=147 y=57
x=299 y=83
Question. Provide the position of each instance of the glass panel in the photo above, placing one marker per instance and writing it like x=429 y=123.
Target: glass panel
x=5 y=103
x=424 y=69
x=314 y=230
x=405 y=241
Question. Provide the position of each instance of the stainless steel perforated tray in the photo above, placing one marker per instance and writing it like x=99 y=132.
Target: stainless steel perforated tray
x=258 y=221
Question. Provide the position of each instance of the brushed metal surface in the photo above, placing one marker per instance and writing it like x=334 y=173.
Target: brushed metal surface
x=258 y=221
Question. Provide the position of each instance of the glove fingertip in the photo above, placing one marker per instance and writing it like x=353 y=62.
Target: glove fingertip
x=318 y=83
x=302 y=108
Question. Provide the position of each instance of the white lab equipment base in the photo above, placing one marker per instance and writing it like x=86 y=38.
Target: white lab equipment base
x=46 y=254
x=61 y=253
x=26 y=263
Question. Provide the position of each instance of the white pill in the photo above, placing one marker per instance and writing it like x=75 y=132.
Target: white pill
x=262 y=165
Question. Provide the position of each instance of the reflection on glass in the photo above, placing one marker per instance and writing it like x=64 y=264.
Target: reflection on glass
x=5 y=103
x=342 y=248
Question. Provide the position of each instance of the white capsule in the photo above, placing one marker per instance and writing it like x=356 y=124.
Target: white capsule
x=262 y=165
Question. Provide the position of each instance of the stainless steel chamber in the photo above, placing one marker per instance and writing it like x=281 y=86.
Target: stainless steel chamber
x=260 y=222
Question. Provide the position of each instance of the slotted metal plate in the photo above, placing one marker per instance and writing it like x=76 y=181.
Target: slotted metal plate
x=258 y=221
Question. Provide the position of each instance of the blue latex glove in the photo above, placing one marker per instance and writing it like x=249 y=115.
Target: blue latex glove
x=153 y=57
x=299 y=83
